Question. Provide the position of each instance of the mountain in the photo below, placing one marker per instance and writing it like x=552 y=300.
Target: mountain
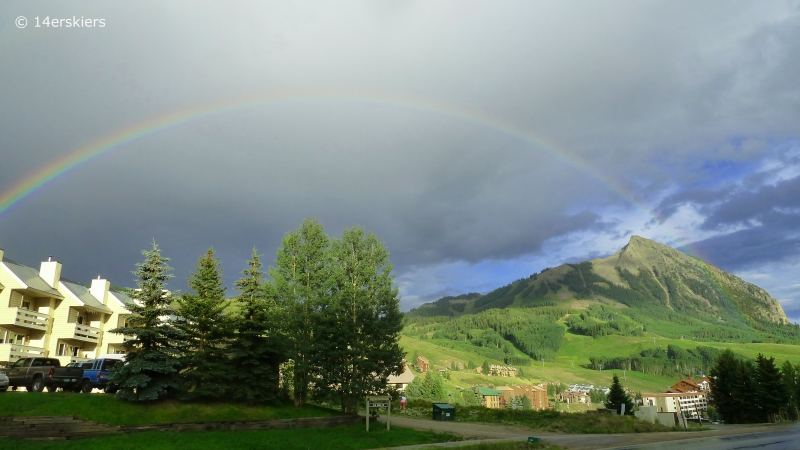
x=644 y=287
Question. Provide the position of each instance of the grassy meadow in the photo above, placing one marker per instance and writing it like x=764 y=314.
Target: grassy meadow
x=571 y=362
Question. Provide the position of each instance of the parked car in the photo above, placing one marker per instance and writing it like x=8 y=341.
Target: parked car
x=3 y=381
x=35 y=374
x=98 y=374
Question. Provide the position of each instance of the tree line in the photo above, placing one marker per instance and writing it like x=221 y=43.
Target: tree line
x=674 y=361
x=325 y=326
x=746 y=391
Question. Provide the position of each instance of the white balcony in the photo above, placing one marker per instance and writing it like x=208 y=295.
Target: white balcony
x=13 y=352
x=24 y=318
x=83 y=333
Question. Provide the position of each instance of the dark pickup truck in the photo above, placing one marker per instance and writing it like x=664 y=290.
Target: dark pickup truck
x=35 y=374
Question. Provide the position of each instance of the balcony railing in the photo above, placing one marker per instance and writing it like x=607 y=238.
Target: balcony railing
x=85 y=333
x=13 y=352
x=23 y=318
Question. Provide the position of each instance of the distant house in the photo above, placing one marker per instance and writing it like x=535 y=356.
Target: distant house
x=490 y=397
x=400 y=382
x=537 y=396
x=574 y=397
x=502 y=371
x=691 y=385
x=691 y=404
x=423 y=364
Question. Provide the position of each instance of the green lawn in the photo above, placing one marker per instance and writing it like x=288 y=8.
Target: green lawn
x=106 y=409
x=340 y=438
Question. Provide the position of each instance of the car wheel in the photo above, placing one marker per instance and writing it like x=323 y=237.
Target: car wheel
x=86 y=387
x=109 y=389
x=38 y=385
x=3 y=389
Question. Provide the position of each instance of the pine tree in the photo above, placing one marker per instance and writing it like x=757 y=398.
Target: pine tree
x=207 y=329
x=791 y=385
x=771 y=391
x=617 y=397
x=260 y=346
x=526 y=402
x=485 y=368
x=360 y=327
x=723 y=385
x=301 y=284
x=152 y=364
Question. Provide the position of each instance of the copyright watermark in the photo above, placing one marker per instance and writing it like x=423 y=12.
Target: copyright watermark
x=61 y=22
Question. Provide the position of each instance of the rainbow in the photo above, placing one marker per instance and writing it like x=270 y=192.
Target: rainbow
x=47 y=174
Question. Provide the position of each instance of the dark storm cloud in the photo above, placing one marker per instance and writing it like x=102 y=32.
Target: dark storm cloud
x=638 y=93
x=775 y=239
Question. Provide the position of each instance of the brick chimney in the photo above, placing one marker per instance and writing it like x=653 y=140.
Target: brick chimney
x=50 y=271
x=99 y=289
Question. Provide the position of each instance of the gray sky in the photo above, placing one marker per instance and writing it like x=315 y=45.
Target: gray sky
x=481 y=141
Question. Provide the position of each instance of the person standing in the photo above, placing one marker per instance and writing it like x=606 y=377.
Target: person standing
x=403 y=402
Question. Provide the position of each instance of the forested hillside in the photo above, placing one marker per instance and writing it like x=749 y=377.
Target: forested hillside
x=646 y=287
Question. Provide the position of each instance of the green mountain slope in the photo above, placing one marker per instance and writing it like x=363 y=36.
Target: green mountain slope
x=644 y=287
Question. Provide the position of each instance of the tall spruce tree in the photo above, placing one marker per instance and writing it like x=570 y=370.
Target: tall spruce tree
x=772 y=395
x=207 y=330
x=259 y=346
x=301 y=281
x=617 y=397
x=791 y=385
x=723 y=385
x=360 y=327
x=153 y=363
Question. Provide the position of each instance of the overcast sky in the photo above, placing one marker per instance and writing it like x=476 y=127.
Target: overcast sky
x=480 y=141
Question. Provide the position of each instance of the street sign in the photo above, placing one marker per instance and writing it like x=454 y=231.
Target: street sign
x=379 y=401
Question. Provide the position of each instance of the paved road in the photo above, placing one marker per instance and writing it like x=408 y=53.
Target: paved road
x=776 y=440
x=724 y=437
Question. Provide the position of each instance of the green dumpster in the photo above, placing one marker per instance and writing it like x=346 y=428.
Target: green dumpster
x=444 y=411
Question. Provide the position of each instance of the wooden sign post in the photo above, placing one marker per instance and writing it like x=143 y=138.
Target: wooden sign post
x=380 y=401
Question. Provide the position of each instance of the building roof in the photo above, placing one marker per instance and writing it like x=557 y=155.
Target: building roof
x=422 y=358
x=122 y=297
x=31 y=278
x=404 y=378
x=83 y=294
x=488 y=392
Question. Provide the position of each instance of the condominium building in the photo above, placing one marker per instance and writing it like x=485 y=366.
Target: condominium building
x=691 y=404
x=42 y=314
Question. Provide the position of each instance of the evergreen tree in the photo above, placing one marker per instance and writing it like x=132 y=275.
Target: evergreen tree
x=259 y=347
x=485 y=368
x=207 y=331
x=791 y=385
x=301 y=282
x=526 y=402
x=520 y=373
x=360 y=327
x=771 y=390
x=723 y=385
x=617 y=397
x=152 y=364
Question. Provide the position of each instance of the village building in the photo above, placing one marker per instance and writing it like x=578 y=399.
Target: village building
x=423 y=364
x=691 y=385
x=42 y=314
x=502 y=371
x=691 y=404
x=574 y=397
x=401 y=382
x=489 y=397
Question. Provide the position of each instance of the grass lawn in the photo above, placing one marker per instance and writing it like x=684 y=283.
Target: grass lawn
x=340 y=438
x=105 y=408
